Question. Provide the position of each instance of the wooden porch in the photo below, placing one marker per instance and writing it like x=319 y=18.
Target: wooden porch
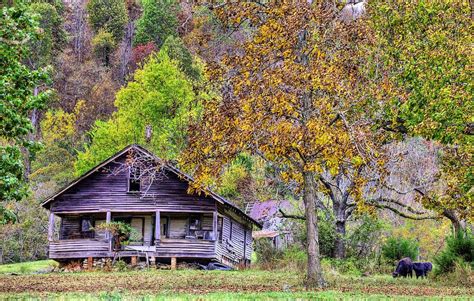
x=162 y=235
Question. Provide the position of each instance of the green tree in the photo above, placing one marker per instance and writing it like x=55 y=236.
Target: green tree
x=17 y=82
x=157 y=22
x=422 y=59
x=396 y=248
x=52 y=38
x=176 y=50
x=103 y=44
x=161 y=97
x=109 y=15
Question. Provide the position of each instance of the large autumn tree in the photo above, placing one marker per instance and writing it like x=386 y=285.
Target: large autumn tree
x=291 y=95
x=423 y=49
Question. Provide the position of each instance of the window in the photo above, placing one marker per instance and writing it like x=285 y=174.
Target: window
x=230 y=229
x=134 y=180
x=87 y=227
x=194 y=223
x=220 y=223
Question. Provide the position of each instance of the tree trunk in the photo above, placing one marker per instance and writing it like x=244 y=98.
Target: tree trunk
x=339 y=243
x=457 y=223
x=314 y=277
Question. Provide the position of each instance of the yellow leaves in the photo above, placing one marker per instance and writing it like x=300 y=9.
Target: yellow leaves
x=59 y=125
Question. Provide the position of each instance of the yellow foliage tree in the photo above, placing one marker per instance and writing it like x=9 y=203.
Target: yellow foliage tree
x=293 y=96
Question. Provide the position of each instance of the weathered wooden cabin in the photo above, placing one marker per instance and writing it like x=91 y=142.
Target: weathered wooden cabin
x=171 y=223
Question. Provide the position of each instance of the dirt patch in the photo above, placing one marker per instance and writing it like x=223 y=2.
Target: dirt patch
x=200 y=282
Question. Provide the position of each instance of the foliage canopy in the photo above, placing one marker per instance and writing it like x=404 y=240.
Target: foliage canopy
x=160 y=96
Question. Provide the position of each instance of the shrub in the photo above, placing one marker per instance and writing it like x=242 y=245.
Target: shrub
x=327 y=234
x=294 y=258
x=459 y=251
x=363 y=239
x=266 y=252
x=395 y=249
x=121 y=266
x=348 y=266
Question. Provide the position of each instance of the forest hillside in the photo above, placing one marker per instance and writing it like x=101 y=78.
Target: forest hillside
x=359 y=114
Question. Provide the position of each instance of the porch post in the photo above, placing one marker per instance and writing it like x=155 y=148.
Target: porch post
x=51 y=226
x=157 y=226
x=108 y=218
x=214 y=225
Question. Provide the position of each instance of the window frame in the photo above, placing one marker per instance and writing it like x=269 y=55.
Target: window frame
x=87 y=233
x=130 y=179
x=220 y=228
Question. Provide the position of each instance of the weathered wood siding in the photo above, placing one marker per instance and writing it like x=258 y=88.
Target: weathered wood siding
x=104 y=193
x=239 y=246
x=185 y=248
x=70 y=227
x=78 y=248
x=106 y=189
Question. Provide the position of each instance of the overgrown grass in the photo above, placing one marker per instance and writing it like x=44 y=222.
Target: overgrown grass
x=322 y=295
x=27 y=267
x=218 y=285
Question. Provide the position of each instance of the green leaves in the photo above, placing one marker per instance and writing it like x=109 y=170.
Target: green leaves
x=17 y=83
x=108 y=15
x=160 y=96
x=157 y=22
x=424 y=49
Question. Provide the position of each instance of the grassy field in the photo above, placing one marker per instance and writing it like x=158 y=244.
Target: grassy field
x=216 y=285
x=27 y=267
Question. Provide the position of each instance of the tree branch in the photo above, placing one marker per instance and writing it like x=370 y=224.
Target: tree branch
x=403 y=214
x=293 y=216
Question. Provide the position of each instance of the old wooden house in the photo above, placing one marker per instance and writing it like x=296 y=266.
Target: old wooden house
x=134 y=188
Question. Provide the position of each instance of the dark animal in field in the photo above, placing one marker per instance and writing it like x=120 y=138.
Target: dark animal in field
x=404 y=268
x=422 y=268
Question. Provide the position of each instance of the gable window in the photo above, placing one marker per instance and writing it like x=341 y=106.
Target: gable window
x=134 y=180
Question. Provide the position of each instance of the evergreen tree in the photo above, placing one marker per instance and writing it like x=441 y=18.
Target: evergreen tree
x=157 y=22
x=109 y=15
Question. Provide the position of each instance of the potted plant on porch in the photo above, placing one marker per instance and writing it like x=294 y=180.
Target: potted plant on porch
x=121 y=233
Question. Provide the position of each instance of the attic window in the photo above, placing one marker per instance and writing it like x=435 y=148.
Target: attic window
x=134 y=180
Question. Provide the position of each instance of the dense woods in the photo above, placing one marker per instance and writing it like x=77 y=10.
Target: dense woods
x=359 y=114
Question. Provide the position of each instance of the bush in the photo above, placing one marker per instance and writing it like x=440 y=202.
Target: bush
x=266 y=253
x=294 y=258
x=395 y=249
x=327 y=234
x=348 y=266
x=121 y=266
x=459 y=251
x=362 y=240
